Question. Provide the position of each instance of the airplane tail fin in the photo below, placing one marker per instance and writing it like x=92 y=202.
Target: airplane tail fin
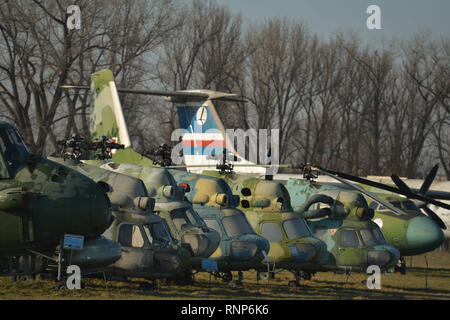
x=205 y=136
x=107 y=118
x=106 y=115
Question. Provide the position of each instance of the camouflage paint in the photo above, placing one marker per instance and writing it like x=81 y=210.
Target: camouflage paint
x=350 y=211
x=213 y=200
x=57 y=200
x=268 y=201
x=394 y=227
x=162 y=187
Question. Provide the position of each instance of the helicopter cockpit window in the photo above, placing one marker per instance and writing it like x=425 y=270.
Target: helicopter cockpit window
x=213 y=224
x=156 y=233
x=371 y=237
x=373 y=205
x=13 y=148
x=137 y=240
x=236 y=225
x=179 y=218
x=296 y=228
x=409 y=205
x=125 y=234
x=271 y=231
x=396 y=204
x=349 y=239
x=194 y=217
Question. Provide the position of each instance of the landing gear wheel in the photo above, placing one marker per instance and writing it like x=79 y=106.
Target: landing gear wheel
x=26 y=277
x=307 y=276
x=148 y=286
x=234 y=283
x=184 y=279
x=401 y=266
x=61 y=285
x=294 y=283
x=226 y=276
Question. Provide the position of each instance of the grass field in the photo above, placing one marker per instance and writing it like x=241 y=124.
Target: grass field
x=418 y=283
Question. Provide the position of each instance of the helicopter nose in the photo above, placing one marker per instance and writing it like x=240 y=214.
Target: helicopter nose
x=383 y=256
x=379 y=257
x=243 y=250
x=303 y=252
x=167 y=260
x=198 y=243
x=424 y=235
x=101 y=214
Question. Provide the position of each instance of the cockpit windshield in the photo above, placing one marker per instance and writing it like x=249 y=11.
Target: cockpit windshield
x=296 y=228
x=157 y=233
x=180 y=218
x=372 y=237
x=236 y=225
x=13 y=148
x=409 y=205
x=194 y=217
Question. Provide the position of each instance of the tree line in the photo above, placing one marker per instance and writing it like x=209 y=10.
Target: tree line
x=360 y=108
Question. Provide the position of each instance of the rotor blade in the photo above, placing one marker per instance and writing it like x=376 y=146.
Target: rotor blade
x=179 y=94
x=389 y=188
x=429 y=179
x=362 y=190
x=400 y=184
x=149 y=92
x=435 y=217
x=234 y=165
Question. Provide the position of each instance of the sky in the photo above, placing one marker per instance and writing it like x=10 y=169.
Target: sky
x=400 y=19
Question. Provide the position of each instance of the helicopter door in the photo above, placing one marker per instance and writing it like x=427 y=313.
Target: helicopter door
x=272 y=232
x=136 y=253
x=348 y=243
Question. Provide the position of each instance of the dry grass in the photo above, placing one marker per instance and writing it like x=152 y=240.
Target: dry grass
x=322 y=286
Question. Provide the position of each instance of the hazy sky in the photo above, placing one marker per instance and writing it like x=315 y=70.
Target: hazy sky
x=399 y=18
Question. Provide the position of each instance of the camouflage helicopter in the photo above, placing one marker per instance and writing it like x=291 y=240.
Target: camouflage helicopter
x=267 y=207
x=400 y=220
x=159 y=188
x=353 y=239
x=148 y=249
x=184 y=223
x=240 y=247
x=154 y=254
x=40 y=202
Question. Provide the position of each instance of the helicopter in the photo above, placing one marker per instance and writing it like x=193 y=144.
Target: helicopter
x=156 y=255
x=104 y=104
x=400 y=220
x=148 y=249
x=345 y=225
x=240 y=247
x=266 y=205
x=184 y=222
x=40 y=202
